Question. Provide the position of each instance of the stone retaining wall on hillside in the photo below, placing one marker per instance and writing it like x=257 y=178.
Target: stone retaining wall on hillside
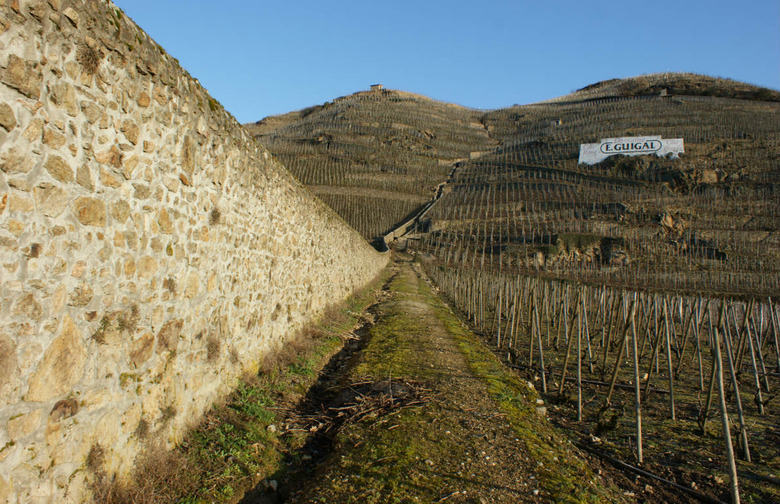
x=150 y=250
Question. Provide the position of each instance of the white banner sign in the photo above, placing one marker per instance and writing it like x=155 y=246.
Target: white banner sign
x=630 y=146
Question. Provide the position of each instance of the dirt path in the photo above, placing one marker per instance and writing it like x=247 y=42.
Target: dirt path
x=424 y=412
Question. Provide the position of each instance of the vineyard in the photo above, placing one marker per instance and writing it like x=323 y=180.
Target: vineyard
x=639 y=294
x=398 y=143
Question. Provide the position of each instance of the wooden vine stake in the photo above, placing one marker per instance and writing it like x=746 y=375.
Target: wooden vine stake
x=669 y=357
x=737 y=398
x=579 y=358
x=637 y=391
x=724 y=417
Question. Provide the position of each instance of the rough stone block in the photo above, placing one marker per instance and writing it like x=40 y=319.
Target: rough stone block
x=59 y=168
x=20 y=203
x=15 y=160
x=89 y=211
x=62 y=365
x=120 y=211
x=141 y=349
x=26 y=305
x=52 y=138
x=146 y=266
x=108 y=179
x=130 y=130
x=64 y=95
x=25 y=424
x=111 y=156
x=81 y=295
x=50 y=200
x=71 y=15
x=24 y=76
x=144 y=100
x=7 y=118
x=168 y=336
x=84 y=177
x=9 y=368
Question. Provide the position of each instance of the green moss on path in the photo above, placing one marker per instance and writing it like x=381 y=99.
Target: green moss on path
x=478 y=439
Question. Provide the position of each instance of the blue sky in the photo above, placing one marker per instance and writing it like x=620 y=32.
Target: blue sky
x=263 y=57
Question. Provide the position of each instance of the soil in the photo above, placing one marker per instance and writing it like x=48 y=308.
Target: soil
x=419 y=410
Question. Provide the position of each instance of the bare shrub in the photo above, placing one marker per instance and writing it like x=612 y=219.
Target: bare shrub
x=213 y=347
x=89 y=58
x=161 y=476
x=215 y=216
x=301 y=344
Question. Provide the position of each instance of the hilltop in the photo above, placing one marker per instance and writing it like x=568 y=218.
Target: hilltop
x=684 y=84
x=375 y=156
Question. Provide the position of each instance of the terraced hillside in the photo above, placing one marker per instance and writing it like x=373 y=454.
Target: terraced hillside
x=376 y=156
x=707 y=221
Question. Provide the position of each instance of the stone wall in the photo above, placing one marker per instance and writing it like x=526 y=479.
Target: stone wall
x=150 y=250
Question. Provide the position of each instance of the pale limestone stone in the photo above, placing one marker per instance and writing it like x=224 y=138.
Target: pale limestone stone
x=129 y=268
x=130 y=418
x=141 y=349
x=52 y=138
x=78 y=269
x=58 y=298
x=64 y=95
x=16 y=227
x=192 y=286
x=59 y=168
x=164 y=221
x=146 y=266
x=62 y=365
x=72 y=69
x=120 y=211
x=142 y=191
x=92 y=111
x=188 y=155
x=111 y=156
x=108 y=179
x=34 y=131
x=144 y=100
x=50 y=200
x=81 y=295
x=7 y=118
x=6 y=488
x=26 y=305
x=128 y=166
x=24 y=76
x=84 y=177
x=160 y=95
x=89 y=211
x=20 y=203
x=168 y=336
x=71 y=15
x=20 y=183
x=172 y=183
x=15 y=160
x=37 y=9
x=130 y=130
x=25 y=424
x=9 y=368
